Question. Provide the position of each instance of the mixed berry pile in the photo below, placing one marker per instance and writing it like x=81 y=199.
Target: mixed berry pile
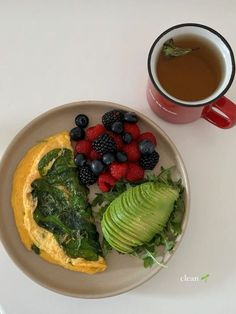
x=112 y=150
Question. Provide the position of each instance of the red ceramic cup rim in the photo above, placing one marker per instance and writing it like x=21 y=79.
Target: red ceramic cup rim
x=184 y=103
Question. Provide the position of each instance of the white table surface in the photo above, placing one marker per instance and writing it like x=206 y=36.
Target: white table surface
x=55 y=52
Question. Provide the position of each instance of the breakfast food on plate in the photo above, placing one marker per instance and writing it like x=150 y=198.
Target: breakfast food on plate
x=142 y=218
x=51 y=207
x=138 y=213
x=112 y=150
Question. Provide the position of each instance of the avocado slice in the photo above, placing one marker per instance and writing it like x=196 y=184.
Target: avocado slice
x=127 y=221
x=118 y=240
x=131 y=209
x=115 y=244
x=124 y=235
x=148 y=216
x=125 y=228
x=139 y=213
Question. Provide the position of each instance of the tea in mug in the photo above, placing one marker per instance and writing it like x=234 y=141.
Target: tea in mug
x=192 y=76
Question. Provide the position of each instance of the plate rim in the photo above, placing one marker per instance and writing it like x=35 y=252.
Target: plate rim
x=112 y=105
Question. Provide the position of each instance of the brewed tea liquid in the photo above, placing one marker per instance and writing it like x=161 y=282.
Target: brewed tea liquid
x=194 y=76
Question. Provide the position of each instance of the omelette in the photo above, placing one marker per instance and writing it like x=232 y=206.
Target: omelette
x=52 y=213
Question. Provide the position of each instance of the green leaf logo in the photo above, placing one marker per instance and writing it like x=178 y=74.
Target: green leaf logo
x=205 y=277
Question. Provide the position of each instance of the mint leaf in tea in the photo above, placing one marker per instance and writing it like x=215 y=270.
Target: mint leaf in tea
x=193 y=69
x=170 y=50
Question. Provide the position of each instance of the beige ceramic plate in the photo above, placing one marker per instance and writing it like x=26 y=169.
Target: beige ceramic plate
x=124 y=272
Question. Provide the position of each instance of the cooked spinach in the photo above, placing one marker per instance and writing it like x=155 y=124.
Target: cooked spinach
x=62 y=206
x=35 y=249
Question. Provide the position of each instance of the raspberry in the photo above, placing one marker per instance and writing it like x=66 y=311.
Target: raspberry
x=148 y=136
x=118 y=140
x=94 y=132
x=148 y=162
x=83 y=147
x=133 y=129
x=94 y=155
x=132 y=151
x=104 y=144
x=118 y=170
x=135 y=172
x=111 y=117
x=106 y=182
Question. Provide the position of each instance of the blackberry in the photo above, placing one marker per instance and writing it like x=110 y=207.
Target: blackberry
x=110 y=117
x=86 y=176
x=104 y=144
x=148 y=162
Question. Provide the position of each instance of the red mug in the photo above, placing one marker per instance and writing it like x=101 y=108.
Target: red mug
x=216 y=108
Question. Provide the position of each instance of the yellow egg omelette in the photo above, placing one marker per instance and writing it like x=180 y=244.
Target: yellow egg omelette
x=39 y=227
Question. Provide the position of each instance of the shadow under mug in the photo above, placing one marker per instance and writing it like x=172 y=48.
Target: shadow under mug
x=216 y=108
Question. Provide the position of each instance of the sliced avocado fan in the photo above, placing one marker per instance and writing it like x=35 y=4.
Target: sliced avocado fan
x=139 y=213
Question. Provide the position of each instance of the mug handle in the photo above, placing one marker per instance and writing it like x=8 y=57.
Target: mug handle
x=227 y=107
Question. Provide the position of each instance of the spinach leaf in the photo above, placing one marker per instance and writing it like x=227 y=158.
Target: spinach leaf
x=62 y=206
x=81 y=247
x=35 y=249
x=47 y=160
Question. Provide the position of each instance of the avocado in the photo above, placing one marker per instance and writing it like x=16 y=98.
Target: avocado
x=124 y=235
x=129 y=222
x=115 y=242
x=139 y=213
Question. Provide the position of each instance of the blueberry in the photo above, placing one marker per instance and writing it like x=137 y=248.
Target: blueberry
x=130 y=117
x=97 y=166
x=80 y=160
x=146 y=147
x=82 y=120
x=121 y=157
x=77 y=134
x=117 y=127
x=108 y=158
x=127 y=138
